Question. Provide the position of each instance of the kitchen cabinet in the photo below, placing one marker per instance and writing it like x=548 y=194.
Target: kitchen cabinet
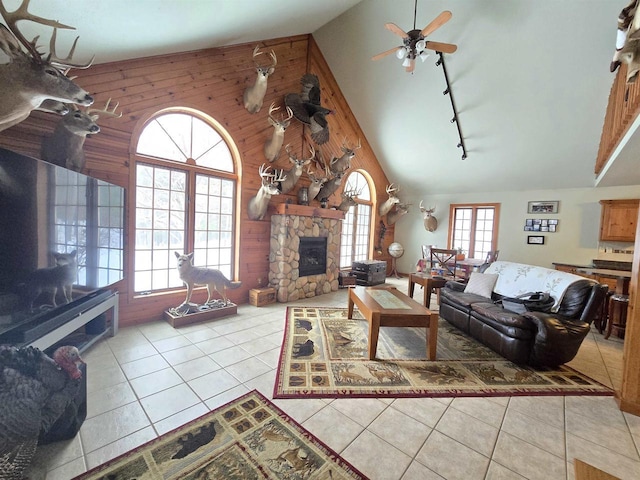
x=618 y=220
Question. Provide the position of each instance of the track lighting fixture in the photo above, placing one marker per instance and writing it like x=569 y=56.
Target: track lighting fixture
x=449 y=92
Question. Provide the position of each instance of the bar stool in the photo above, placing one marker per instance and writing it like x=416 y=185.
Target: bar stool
x=600 y=322
x=618 y=305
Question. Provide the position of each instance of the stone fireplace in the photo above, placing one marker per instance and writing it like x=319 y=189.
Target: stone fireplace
x=291 y=226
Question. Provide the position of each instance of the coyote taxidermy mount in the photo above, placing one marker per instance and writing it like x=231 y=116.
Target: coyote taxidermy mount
x=195 y=276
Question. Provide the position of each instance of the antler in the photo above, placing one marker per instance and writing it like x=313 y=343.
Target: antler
x=391 y=189
x=21 y=13
x=256 y=52
x=345 y=146
x=105 y=111
x=313 y=154
x=53 y=59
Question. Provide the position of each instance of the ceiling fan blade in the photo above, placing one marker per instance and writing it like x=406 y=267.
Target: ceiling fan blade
x=442 y=47
x=412 y=65
x=384 y=54
x=392 y=27
x=440 y=20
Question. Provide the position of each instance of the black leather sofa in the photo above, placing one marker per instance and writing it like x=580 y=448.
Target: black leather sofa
x=534 y=338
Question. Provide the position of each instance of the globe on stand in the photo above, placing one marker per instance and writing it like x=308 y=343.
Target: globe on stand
x=396 y=251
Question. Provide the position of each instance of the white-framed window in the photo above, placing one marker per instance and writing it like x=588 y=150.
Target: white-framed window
x=473 y=228
x=356 y=227
x=185 y=197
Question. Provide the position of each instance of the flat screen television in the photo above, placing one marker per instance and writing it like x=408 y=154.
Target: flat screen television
x=61 y=241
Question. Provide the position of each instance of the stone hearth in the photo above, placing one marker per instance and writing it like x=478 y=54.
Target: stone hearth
x=288 y=224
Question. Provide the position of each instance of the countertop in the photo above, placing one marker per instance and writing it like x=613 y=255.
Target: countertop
x=604 y=272
x=599 y=265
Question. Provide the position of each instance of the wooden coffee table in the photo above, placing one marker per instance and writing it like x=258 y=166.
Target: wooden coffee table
x=387 y=307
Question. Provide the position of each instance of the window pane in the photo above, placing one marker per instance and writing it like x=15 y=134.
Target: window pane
x=162 y=209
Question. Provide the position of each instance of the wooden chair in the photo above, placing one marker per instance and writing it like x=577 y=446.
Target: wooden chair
x=444 y=267
x=492 y=256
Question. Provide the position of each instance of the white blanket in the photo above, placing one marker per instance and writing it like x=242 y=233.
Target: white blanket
x=517 y=278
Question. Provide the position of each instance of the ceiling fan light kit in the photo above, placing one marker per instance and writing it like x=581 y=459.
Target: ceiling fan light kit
x=415 y=46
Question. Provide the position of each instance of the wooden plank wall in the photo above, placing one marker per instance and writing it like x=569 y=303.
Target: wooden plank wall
x=211 y=81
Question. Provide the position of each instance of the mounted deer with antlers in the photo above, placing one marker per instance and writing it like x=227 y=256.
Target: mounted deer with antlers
x=293 y=175
x=64 y=147
x=401 y=210
x=316 y=184
x=258 y=204
x=348 y=199
x=430 y=222
x=391 y=201
x=273 y=145
x=254 y=95
x=29 y=78
x=343 y=163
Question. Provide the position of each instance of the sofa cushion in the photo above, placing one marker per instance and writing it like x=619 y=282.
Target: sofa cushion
x=481 y=283
x=504 y=321
x=463 y=299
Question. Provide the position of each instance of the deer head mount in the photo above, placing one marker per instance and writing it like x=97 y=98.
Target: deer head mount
x=397 y=213
x=31 y=78
x=349 y=199
x=65 y=146
x=293 y=175
x=386 y=207
x=317 y=182
x=343 y=163
x=430 y=222
x=254 y=95
x=270 y=181
x=273 y=145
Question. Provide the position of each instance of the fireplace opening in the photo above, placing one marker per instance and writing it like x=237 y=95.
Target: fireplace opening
x=313 y=256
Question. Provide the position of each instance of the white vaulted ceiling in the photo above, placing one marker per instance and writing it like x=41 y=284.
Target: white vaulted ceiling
x=530 y=78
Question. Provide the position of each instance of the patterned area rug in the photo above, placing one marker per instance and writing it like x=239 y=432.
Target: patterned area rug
x=324 y=354
x=249 y=438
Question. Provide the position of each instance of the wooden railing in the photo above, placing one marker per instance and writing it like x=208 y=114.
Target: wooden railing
x=622 y=109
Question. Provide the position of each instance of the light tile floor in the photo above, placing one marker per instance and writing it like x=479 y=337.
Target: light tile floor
x=150 y=379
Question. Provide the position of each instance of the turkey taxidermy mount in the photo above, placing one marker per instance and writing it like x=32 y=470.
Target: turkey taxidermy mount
x=414 y=43
x=306 y=108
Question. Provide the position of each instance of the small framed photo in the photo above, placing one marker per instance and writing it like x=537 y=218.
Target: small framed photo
x=536 y=227
x=552 y=227
x=543 y=207
x=544 y=222
x=528 y=228
x=544 y=229
x=535 y=239
x=553 y=221
x=529 y=222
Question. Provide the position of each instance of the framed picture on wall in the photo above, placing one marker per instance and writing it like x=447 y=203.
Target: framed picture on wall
x=535 y=239
x=543 y=207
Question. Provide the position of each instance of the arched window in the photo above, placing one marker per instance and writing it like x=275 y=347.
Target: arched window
x=356 y=226
x=185 y=197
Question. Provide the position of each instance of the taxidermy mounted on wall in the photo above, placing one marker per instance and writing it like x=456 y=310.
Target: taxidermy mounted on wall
x=430 y=222
x=293 y=175
x=391 y=201
x=270 y=182
x=273 y=145
x=306 y=108
x=342 y=163
x=65 y=146
x=30 y=77
x=254 y=95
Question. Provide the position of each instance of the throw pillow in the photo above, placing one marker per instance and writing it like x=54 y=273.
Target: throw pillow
x=481 y=283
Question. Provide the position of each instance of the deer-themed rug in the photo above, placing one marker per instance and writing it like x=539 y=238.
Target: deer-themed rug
x=249 y=438
x=324 y=354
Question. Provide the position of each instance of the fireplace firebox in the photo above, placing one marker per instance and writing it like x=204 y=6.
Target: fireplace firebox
x=313 y=256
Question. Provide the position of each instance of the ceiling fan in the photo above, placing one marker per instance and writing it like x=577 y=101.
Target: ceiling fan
x=414 y=42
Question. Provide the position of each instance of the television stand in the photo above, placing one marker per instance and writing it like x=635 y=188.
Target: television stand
x=81 y=319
